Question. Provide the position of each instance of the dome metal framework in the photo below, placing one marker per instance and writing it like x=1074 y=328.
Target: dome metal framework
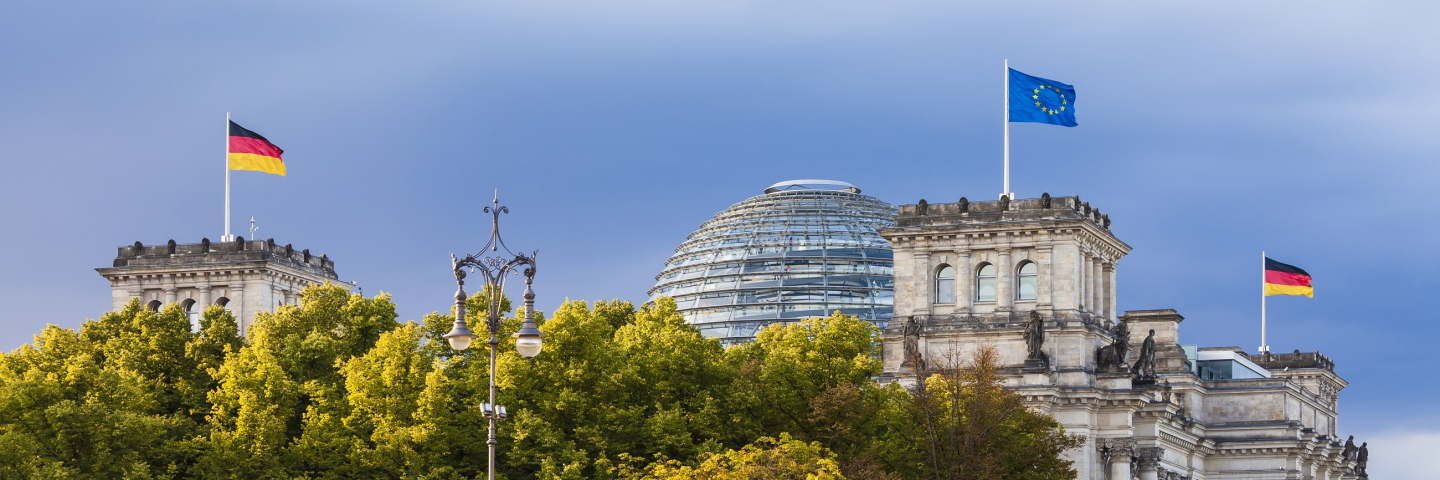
x=805 y=248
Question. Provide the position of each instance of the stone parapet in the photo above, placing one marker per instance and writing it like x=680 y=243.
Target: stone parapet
x=966 y=212
x=1297 y=360
x=206 y=252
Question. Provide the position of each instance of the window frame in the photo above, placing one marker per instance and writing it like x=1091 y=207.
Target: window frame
x=1020 y=277
x=940 y=282
x=993 y=278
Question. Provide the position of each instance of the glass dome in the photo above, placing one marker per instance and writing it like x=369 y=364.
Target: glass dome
x=805 y=248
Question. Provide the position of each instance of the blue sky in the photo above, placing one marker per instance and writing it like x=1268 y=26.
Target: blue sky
x=1208 y=132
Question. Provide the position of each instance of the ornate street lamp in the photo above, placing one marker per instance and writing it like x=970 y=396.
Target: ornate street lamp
x=495 y=270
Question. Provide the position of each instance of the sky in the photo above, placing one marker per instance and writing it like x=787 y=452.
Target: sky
x=1208 y=131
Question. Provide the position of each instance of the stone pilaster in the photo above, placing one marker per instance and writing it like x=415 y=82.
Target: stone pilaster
x=1148 y=458
x=964 y=281
x=1082 y=291
x=1043 y=277
x=1115 y=455
x=922 y=301
x=1097 y=290
x=1112 y=307
x=1004 y=282
x=237 y=307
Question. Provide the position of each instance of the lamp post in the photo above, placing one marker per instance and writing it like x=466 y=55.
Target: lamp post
x=495 y=269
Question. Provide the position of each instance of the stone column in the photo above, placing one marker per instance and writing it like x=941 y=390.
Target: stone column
x=1115 y=453
x=1004 y=282
x=964 y=282
x=171 y=293
x=1098 y=293
x=1085 y=283
x=1149 y=460
x=1111 y=298
x=204 y=297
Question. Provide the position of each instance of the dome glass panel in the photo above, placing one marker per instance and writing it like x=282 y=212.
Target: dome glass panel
x=805 y=248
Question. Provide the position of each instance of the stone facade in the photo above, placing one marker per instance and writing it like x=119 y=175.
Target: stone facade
x=246 y=277
x=1161 y=422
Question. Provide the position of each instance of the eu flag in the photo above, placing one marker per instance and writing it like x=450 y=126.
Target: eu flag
x=1040 y=100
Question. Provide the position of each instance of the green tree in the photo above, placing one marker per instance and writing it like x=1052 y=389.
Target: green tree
x=336 y=387
x=121 y=398
x=970 y=427
x=768 y=458
x=615 y=383
x=815 y=379
x=289 y=375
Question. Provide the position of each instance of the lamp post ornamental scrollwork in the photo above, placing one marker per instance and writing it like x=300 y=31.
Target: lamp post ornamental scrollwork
x=494 y=270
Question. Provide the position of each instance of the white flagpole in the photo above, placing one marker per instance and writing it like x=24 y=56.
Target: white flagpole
x=227 y=237
x=1006 y=120
x=1263 y=346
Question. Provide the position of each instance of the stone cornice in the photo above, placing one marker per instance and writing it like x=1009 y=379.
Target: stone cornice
x=209 y=273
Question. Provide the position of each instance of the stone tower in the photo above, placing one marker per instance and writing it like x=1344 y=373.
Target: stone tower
x=245 y=277
x=1009 y=272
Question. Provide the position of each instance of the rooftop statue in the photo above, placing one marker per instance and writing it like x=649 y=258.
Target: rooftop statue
x=1362 y=458
x=1112 y=357
x=1145 y=366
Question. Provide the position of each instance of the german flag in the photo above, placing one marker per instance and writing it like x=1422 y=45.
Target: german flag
x=250 y=151
x=1282 y=279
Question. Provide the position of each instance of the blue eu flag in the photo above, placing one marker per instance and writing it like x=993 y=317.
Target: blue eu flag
x=1039 y=100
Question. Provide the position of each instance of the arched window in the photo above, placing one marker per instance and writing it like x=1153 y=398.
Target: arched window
x=223 y=302
x=985 y=283
x=1026 y=285
x=945 y=285
x=192 y=310
x=154 y=305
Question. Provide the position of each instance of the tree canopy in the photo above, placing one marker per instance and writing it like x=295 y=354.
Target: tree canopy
x=337 y=387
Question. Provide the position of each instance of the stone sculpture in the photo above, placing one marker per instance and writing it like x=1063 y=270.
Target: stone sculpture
x=1362 y=458
x=1004 y=202
x=1112 y=357
x=921 y=207
x=964 y=205
x=1349 y=453
x=1035 y=341
x=911 y=334
x=1045 y=200
x=1145 y=365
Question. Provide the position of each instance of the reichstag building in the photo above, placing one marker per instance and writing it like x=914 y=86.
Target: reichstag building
x=1035 y=279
